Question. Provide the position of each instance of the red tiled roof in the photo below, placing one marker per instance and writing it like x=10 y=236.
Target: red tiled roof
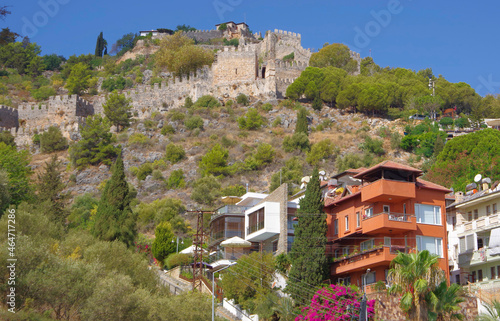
x=426 y=184
x=388 y=164
x=349 y=171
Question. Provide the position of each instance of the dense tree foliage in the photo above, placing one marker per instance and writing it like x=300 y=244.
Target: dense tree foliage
x=252 y=120
x=52 y=140
x=290 y=173
x=163 y=245
x=117 y=110
x=15 y=164
x=180 y=56
x=101 y=46
x=78 y=79
x=50 y=189
x=335 y=55
x=309 y=263
x=465 y=156
x=215 y=161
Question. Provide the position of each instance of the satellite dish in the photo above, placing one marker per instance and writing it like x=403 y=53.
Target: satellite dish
x=307 y=179
x=477 y=178
x=322 y=173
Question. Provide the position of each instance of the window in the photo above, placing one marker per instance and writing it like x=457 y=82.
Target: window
x=480 y=244
x=476 y=214
x=494 y=208
x=488 y=210
x=492 y=270
x=428 y=214
x=290 y=240
x=367 y=245
x=336 y=227
x=480 y=275
x=469 y=216
x=454 y=221
x=387 y=241
x=433 y=244
x=404 y=208
x=345 y=251
x=457 y=278
x=469 y=240
x=386 y=209
x=337 y=253
x=291 y=223
x=358 y=219
x=369 y=212
x=473 y=277
x=347 y=223
x=369 y=278
x=275 y=246
x=498 y=271
x=462 y=244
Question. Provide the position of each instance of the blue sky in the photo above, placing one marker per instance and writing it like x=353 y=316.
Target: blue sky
x=458 y=39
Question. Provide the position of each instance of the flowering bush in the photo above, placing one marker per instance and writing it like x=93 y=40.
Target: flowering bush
x=330 y=303
x=143 y=245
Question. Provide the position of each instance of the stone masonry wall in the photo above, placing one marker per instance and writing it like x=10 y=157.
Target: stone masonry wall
x=280 y=195
x=235 y=65
x=9 y=117
x=204 y=35
x=387 y=307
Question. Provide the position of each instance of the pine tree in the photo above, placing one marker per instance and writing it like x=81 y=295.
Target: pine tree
x=117 y=110
x=114 y=219
x=301 y=126
x=50 y=187
x=308 y=257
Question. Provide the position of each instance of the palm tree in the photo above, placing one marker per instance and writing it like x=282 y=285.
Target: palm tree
x=414 y=276
x=444 y=301
x=493 y=312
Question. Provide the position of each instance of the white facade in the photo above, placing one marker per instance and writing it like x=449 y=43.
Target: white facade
x=265 y=229
x=476 y=237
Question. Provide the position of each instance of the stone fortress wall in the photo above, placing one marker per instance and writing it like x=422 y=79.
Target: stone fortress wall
x=256 y=68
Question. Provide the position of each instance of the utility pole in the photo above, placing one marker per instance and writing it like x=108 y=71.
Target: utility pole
x=198 y=251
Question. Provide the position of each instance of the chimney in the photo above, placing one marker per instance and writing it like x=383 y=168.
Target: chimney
x=486 y=183
x=459 y=197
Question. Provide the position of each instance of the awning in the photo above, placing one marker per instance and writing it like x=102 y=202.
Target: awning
x=495 y=242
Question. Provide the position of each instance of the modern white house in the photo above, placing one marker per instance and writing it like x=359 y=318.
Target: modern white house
x=270 y=224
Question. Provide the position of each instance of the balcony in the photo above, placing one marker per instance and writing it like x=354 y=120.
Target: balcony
x=260 y=232
x=389 y=223
x=483 y=223
x=255 y=228
x=378 y=256
x=385 y=190
x=482 y=256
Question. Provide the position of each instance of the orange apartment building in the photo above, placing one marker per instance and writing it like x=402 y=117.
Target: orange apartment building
x=374 y=213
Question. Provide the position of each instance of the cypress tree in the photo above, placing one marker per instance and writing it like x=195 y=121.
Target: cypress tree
x=301 y=126
x=99 y=47
x=308 y=254
x=114 y=219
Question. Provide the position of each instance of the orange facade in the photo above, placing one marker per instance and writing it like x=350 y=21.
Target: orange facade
x=390 y=210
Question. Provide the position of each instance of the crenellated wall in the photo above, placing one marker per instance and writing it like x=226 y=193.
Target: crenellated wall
x=234 y=65
x=9 y=117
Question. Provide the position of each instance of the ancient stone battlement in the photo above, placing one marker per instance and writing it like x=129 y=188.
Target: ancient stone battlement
x=287 y=33
x=204 y=35
x=9 y=117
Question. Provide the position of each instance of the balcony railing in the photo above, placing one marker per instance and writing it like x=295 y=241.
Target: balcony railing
x=400 y=217
x=389 y=223
x=483 y=223
x=255 y=228
x=393 y=249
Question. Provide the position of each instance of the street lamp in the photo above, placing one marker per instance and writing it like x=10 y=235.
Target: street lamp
x=182 y=242
x=213 y=288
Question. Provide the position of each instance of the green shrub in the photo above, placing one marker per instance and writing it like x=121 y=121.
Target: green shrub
x=137 y=139
x=53 y=140
x=174 y=260
x=233 y=42
x=262 y=157
x=174 y=153
x=395 y=140
x=267 y=107
x=462 y=122
x=149 y=124
x=289 y=57
x=277 y=122
x=298 y=141
x=144 y=170
x=176 y=179
x=167 y=129
x=373 y=145
x=194 y=122
x=446 y=122
x=133 y=170
x=215 y=161
x=207 y=101
x=157 y=175
x=226 y=142
x=252 y=120
x=233 y=190
x=321 y=150
x=229 y=103
x=175 y=115
x=242 y=99
x=43 y=93
x=188 y=102
x=7 y=138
